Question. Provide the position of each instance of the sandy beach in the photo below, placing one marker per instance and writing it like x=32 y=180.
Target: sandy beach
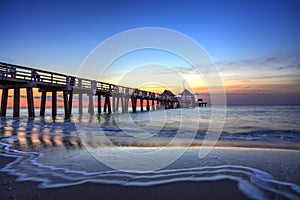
x=13 y=189
x=281 y=164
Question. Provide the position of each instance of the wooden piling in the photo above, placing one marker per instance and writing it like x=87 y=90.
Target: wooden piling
x=30 y=102
x=66 y=104
x=80 y=97
x=133 y=103
x=122 y=105
x=43 y=103
x=114 y=103
x=127 y=104
x=54 y=103
x=4 y=102
x=99 y=103
x=142 y=106
x=16 y=111
x=80 y=103
x=117 y=104
x=107 y=104
x=91 y=104
x=148 y=106
x=70 y=102
x=104 y=108
x=153 y=105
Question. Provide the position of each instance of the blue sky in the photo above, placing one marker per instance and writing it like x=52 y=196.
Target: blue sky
x=243 y=35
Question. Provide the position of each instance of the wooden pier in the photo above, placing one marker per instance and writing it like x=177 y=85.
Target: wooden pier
x=201 y=103
x=116 y=98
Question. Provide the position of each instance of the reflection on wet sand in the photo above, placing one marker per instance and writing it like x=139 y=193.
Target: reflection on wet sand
x=43 y=133
x=33 y=135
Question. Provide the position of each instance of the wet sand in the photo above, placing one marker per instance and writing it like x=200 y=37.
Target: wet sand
x=10 y=188
x=283 y=164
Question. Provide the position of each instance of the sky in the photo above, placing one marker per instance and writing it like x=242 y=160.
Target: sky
x=254 y=44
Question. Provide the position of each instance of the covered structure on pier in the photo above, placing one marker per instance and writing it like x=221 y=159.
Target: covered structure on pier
x=186 y=99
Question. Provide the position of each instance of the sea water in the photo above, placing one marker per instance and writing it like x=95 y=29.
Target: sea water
x=59 y=152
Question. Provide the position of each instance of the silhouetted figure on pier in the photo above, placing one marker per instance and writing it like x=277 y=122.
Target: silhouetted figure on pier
x=70 y=82
x=94 y=87
x=116 y=89
x=35 y=76
x=135 y=92
x=12 y=71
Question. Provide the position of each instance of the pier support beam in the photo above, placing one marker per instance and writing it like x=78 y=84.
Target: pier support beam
x=4 y=102
x=99 y=103
x=66 y=104
x=30 y=102
x=126 y=104
x=80 y=97
x=70 y=102
x=104 y=108
x=122 y=105
x=80 y=103
x=141 y=102
x=114 y=103
x=91 y=104
x=133 y=103
x=148 y=106
x=117 y=104
x=153 y=105
x=54 y=103
x=107 y=104
x=16 y=112
x=43 y=103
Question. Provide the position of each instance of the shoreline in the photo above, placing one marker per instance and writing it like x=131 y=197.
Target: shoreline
x=280 y=164
x=156 y=142
x=13 y=189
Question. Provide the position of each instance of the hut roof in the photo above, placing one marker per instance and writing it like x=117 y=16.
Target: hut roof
x=185 y=92
x=168 y=93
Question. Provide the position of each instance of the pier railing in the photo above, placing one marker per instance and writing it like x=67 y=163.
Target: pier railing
x=11 y=72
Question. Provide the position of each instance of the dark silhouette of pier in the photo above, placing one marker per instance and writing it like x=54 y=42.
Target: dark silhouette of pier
x=115 y=97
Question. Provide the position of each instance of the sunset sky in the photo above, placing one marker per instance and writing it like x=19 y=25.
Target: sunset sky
x=254 y=44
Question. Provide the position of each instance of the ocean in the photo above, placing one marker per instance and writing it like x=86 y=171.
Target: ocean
x=158 y=147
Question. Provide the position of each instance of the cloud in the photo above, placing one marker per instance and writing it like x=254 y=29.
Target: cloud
x=271 y=59
x=295 y=66
x=267 y=63
x=270 y=66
